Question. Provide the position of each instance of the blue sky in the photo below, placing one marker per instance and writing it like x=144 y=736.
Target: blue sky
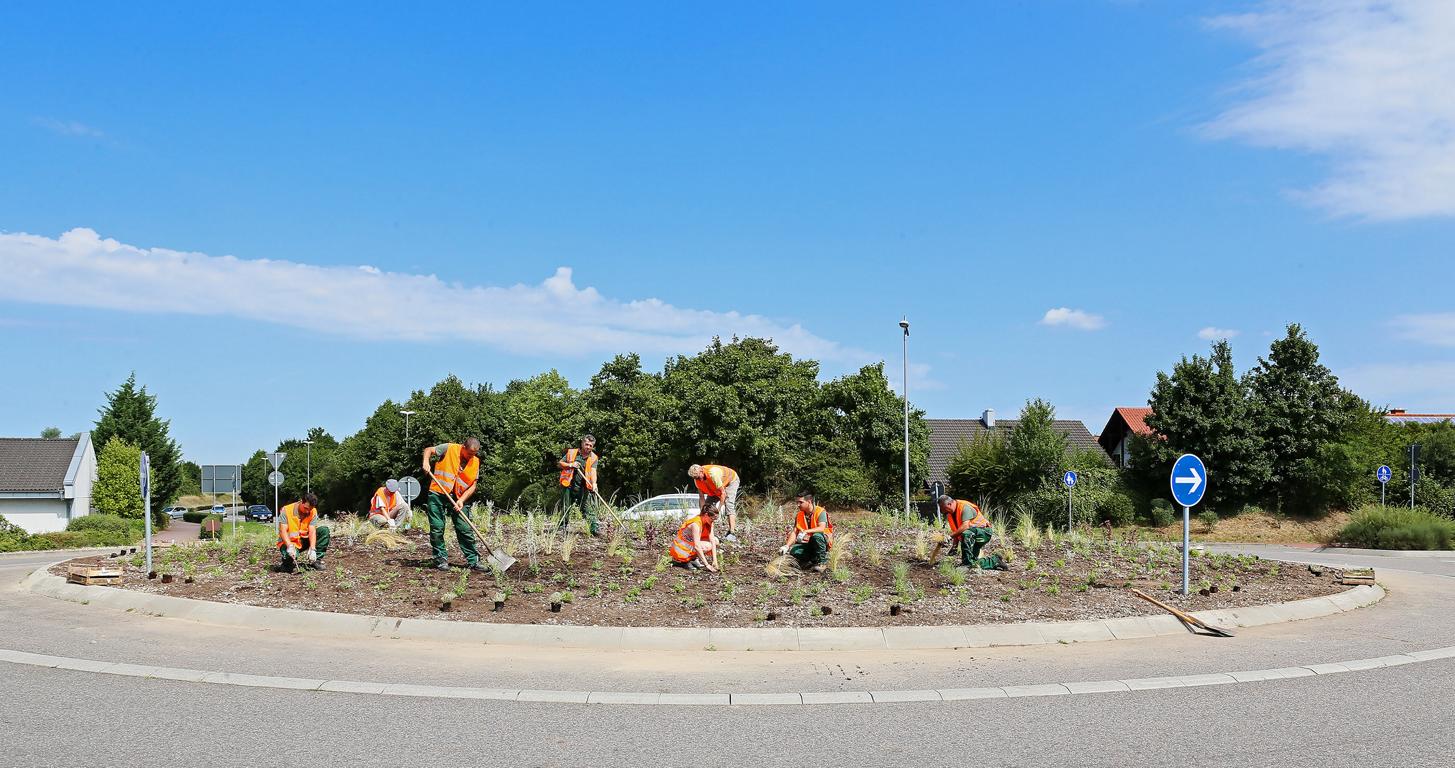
x=280 y=216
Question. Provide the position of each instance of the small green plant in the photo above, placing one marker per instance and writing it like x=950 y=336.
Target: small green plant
x=567 y=596
x=613 y=586
x=531 y=589
x=696 y=602
x=649 y=582
x=1059 y=564
x=1005 y=597
x=1031 y=563
x=842 y=574
x=862 y=593
x=727 y=591
x=663 y=563
x=796 y=596
x=632 y=594
x=680 y=586
x=815 y=611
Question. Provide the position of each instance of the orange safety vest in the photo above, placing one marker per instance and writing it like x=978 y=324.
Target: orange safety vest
x=820 y=515
x=956 y=517
x=715 y=480
x=682 y=549
x=449 y=474
x=384 y=500
x=566 y=474
x=295 y=525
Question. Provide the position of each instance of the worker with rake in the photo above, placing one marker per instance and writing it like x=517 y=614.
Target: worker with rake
x=970 y=528
x=453 y=483
x=812 y=535
x=695 y=540
x=388 y=509
x=721 y=482
x=297 y=526
x=578 y=483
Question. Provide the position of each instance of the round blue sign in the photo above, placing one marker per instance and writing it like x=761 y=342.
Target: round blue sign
x=1383 y=473
x=1069 y=479
x=1189 y=480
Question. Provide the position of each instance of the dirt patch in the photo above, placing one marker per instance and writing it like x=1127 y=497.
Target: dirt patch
x=625 y=580
x=1259 y=527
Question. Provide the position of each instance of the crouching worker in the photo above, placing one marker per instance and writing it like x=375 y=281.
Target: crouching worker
x=299 y=535
x=388 y=509
x=970 y=528
x=695 y=540
x=811 y=537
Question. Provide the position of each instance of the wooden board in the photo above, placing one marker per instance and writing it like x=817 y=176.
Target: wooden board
x=105 y=581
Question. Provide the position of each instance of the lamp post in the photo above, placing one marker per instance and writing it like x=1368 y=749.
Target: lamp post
x=406 y=414
x=904 y=324
x=308 y=463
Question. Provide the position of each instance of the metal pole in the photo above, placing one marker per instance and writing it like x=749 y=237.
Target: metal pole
x=236 y=481
x=1381 y=493
x=904 y=323
x=1068 y=509
x=1186 y=543
x=147 y=499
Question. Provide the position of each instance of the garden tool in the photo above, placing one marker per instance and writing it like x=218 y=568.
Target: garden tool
x=1191 y=622
x=500 y=561
x=940 y=541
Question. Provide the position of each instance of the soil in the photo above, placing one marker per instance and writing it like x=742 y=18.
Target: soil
x=1086 y=577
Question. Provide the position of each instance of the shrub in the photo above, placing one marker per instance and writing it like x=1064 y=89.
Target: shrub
x=205 y=534
x=1397 y=528
x=57 y=540
x=1208 y=518
x=108 y=525
x=1119 y=509
x=195 y=516
x=1162 y=513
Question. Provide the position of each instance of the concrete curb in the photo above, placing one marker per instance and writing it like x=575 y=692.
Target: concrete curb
x=688 y=639
x=69 y=553
x=1223 y=546
x=653 y=698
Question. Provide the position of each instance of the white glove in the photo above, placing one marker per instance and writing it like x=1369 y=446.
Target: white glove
x=312 y=556
x=783 y=550
x=292 y=551
x=802 y=538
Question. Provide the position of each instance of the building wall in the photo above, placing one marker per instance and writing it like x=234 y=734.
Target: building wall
x=85 y=479
x=36 y=515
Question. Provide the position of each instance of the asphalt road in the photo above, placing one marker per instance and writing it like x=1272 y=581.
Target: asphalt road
x=1386 y=717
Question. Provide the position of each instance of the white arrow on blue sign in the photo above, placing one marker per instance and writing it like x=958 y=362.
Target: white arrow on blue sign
x=1069 y=478
x=1189 y=480
x=1383 y=473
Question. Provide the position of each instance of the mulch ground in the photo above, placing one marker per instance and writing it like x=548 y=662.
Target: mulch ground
x=626 y=582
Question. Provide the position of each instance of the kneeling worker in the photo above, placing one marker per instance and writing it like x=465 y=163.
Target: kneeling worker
x=970 y=528
x=695 y=540
x=812 y=535
x=388 y=509
x=297 y=527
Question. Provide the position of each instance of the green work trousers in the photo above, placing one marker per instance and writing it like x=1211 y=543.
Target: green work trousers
x=971 y=542
x=812 y=552
x=439 y=509
x=320 y=546
x=574 y=496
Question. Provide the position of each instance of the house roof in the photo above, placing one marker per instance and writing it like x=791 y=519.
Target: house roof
x=35 y=464
x=1124 y=419
x=1400 y=416
x=947 y=435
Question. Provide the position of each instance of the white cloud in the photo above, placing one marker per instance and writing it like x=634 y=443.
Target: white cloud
x=1367 y=84
x=1073 y=318
x=1211 y=333
x=1415 y=387
x=1436 y=328
x=68 y=128
x=554 y=317
x=920 y=378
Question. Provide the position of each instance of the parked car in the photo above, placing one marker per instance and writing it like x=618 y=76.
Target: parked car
x=260 y=513
x=668 y=505
x=175 y=512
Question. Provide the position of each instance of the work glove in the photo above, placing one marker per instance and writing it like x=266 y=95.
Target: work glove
x=783 y=550
x=802 y=538
x=292 y=551
x=312 y=556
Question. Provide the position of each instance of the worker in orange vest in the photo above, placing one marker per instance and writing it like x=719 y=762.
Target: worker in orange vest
x=453 y=476
x=722 y=482
x=812 y=535
x=388 y=509
x=970 y=528
x=578 y=483
x=297 y=527
x=695 y=540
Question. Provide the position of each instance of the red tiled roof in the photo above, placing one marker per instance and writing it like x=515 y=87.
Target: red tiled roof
x=1136 y=419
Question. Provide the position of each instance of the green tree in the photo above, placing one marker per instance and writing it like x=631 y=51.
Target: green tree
x=118 y=480
x=50 y=433
x=191 y=479
x=1035 y=450
x=255 y=486
x=130 y=414
x=296 y=469
x=980 y=470
x=629 y=414
x=543 y=416
x=862 y=414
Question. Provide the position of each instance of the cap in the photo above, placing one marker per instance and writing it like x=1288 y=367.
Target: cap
x=392 y=485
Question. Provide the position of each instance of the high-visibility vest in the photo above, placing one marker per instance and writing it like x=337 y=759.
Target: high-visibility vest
x=384 y=500
x=449 y=474
x=715 y=480
x=820 y=518
x=566 y=474
x=956 y=516
x=295 y=524
x=682 y=549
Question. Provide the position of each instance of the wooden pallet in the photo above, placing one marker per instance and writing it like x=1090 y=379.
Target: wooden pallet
x=90 y=575
x=1357 y=576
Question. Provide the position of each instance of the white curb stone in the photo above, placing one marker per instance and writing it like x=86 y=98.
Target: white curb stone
x=837 y=697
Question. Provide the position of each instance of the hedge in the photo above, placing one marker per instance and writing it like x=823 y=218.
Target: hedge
x=89 y=531
x=1397 y=528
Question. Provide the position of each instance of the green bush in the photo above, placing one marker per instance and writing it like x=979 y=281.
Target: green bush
x=1397 y=528
x=195 y=515
x=58 y=540
x=1208 y=518
x=205 y=534
x=1162 y=513
x=1119 y=509
x=107 y=525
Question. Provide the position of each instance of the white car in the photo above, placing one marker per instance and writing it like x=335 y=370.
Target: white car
x=218 y=509
x=669 y=505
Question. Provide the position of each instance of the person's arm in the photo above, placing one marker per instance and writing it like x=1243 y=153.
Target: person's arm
x=428 y=454
x=460 y=502
x=563 y=464
x=283 y=536
x=312 y=537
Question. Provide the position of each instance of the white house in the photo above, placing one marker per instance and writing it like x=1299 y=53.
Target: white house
x=45 y=483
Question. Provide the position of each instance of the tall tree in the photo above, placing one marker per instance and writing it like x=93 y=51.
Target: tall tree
x=543 y=416
x=864 y=416
x=118 y=480
x=1299 y=411
x=130 y=414
x=626 y=410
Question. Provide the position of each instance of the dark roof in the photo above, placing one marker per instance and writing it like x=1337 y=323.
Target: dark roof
x=35 y=464
x=946 y=436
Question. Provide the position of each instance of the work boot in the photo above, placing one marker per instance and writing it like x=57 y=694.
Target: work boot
x=820 y=568
x=730 y=537
x=478 y=567
x=442 y=565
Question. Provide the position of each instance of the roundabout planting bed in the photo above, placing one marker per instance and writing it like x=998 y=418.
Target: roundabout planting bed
x=623 y=579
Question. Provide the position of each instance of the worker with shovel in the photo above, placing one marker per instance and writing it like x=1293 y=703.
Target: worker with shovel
x=722 y=482
x=970 y=528
x=297 y=526
x=453 y=483
x=695 y=540
x=388 y=509
x=812 y=535
x=578 y=483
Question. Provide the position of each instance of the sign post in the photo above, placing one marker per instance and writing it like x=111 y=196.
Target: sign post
x=146 y=500
x=937 y=489
x=1383 y=474
x=1070 y=480
x=1414 y=471
x=276 y=478
x=409 y=489
x=1189 y=483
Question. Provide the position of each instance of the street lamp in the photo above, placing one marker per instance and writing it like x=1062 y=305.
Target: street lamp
x=308 y=458
x=904 y=324
x=407 y=414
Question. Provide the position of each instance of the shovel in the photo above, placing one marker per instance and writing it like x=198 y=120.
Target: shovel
x=500 y=561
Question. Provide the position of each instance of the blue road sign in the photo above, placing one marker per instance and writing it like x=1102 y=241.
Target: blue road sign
x=146 y=476
x=1383 y=473
x=1189 y=480
x=1069 y=478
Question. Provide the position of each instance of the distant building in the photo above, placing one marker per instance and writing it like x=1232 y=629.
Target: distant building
x=947 y=436
x=1400 y=416
x=45 y=483
x=1116 y=436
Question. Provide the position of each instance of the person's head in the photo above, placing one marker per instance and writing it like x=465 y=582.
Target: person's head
x=392 y=485
x=805 y=501
x=308 y=503
x=947 y=503
x=694 y=471
x=469 y=448
x=588 y=444
x=710 y=507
